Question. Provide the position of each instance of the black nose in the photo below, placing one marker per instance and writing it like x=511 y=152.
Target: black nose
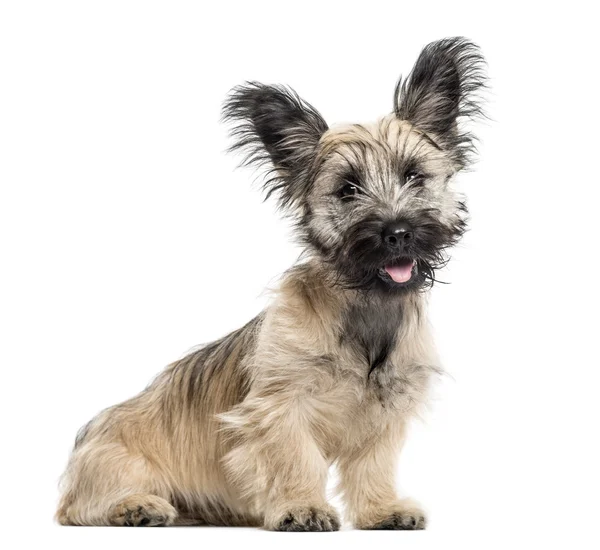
x=398 y=235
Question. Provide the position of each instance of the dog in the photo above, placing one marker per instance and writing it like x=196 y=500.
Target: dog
x=244 y=430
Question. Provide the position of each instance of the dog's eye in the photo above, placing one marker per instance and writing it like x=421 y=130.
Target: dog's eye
x=413 y=176
x=348 y=191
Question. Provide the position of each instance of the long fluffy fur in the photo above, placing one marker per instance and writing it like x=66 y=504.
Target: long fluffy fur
x=243 y=431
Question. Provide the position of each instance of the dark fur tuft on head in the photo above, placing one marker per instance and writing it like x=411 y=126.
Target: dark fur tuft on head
x=275 y=129
x=441 y=91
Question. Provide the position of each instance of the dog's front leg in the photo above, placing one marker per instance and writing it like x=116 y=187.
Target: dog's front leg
x=367 y=480
x=296 y=499
x=278 y=460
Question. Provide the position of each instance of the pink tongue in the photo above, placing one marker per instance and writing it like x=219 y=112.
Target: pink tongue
x=400 y=273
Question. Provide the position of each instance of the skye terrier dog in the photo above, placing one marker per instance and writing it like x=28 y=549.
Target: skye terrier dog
x=243 y=431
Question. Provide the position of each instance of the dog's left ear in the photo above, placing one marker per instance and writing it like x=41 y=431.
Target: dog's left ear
x=442 y=89
x=272 y=125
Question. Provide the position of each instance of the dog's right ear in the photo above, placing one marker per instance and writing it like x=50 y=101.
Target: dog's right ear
x=272 y=125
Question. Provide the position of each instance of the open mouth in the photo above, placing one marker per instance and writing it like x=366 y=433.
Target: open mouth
x=400 y=270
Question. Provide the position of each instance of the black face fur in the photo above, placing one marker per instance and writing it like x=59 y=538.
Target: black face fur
x=373 y=202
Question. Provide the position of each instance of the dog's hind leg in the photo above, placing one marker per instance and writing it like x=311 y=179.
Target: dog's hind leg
x=105 y=485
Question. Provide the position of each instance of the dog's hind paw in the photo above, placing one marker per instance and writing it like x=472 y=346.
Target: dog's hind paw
x=142 y=511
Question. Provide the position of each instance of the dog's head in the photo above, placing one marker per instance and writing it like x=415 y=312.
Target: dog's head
x=373 y=201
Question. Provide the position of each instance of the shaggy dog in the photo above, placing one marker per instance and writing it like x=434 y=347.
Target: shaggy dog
x=244 y=430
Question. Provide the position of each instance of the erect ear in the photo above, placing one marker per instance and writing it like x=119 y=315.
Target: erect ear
x=441 y=90
x=273 y=125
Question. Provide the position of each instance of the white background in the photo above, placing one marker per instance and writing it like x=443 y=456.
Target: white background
x=127 y=237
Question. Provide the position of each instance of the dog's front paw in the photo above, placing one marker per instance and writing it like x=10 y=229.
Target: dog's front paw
x=306 y=518
x=405 y=516
x=405 y=521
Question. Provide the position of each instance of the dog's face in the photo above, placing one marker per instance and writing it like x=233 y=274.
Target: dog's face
x=373 y=201
x=380 y=208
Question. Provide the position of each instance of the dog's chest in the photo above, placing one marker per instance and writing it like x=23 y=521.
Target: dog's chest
x=389 y=353
x=370 y=330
